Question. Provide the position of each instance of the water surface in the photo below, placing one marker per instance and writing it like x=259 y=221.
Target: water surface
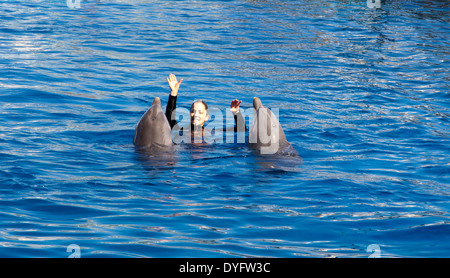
x=363 y=96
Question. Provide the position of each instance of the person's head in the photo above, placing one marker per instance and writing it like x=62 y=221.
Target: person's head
x=199 y=113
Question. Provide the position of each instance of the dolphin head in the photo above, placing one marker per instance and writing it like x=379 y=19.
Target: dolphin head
x=156 y=118
x=153 y=128
x=265 y=132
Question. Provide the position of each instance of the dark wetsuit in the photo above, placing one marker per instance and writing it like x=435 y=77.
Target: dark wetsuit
x=171 y=105
x=239 y=122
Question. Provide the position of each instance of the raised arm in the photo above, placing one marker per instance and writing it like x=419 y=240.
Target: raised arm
x=172 y=102
x=239 y=122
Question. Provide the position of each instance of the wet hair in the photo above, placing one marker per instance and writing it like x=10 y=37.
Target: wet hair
x=201 y=101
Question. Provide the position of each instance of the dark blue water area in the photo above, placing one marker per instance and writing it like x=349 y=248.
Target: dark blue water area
x=362 y=94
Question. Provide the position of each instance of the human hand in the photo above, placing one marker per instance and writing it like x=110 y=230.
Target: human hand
x=173 y=84
x=235 y=106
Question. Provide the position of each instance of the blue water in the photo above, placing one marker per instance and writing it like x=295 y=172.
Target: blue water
x=363 y=96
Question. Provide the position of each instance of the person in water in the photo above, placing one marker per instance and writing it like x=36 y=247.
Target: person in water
x=199 y=112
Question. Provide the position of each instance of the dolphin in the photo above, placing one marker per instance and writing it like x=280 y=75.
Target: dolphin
x=266 y=134
x=153 y=128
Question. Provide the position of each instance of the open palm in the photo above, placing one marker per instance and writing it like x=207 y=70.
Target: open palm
x=173 y=84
